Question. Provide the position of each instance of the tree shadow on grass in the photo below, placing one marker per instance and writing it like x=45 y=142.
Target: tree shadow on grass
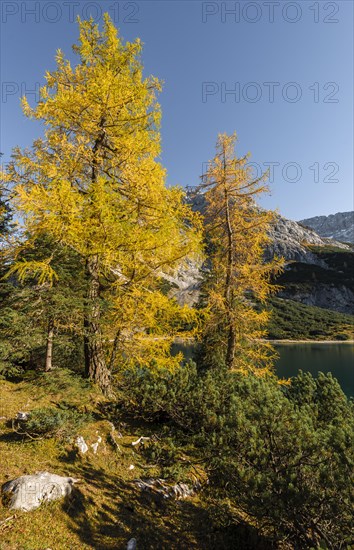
x=106 y=511
x=11 y=437
x=13 y=434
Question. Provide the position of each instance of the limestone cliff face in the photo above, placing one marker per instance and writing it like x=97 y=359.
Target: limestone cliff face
x=185 y=284
x=321 y=283
x=338 y=226
x=289 y=240
x=315 y=278
x=337 y=297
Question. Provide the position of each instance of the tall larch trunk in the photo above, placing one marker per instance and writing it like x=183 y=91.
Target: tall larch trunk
x=231 y=336
x=95 y=365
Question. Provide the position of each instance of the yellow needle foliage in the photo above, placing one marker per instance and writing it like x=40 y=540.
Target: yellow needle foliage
x=146 y=326
x=94 y=182
x=237 y=233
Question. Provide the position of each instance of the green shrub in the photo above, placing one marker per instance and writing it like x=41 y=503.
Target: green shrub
x=158 y=396
x=282 y=454
x=186 y=398
x=166 y=454
x=286 y=458
x=61 y=423
x=341 y=336
x=10 y=371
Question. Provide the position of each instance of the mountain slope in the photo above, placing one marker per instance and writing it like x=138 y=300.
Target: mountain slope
x=318 y=270
x=327 y=283
x=292 y=241
x=338 y=226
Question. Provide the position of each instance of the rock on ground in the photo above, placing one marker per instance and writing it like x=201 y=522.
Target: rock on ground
x=160 y=487
x=81 y=444
x=29 y=492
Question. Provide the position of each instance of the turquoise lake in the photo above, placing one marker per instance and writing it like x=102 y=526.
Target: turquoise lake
x=314 y=358
x=335 y=358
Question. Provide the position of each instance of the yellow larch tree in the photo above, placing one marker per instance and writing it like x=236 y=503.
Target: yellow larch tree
x=236 y=234
x=95 y=183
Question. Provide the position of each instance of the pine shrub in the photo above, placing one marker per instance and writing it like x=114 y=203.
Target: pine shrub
x=61 y=423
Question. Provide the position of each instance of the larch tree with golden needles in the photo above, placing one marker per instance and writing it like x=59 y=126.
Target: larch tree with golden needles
x=94 y=182
x=236 y=233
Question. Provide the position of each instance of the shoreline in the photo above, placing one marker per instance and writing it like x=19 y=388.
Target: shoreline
x=191 y=341
x=285 y=341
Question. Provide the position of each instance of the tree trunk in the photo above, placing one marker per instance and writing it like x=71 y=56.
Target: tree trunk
x=231 y=345
x=95 y=365
x=231 y=337
x=49 y=350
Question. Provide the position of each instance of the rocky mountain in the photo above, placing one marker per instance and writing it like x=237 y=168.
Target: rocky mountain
x=318 y=269
x=328 y=284
x=338 y=226
x=291 y=241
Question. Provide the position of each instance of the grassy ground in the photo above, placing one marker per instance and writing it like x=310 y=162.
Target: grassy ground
x=106 y=509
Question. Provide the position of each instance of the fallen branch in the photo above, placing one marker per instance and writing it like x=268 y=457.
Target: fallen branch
x=7 y=519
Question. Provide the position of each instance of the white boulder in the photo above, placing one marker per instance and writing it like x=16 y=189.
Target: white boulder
x=29 y=492
x=22 y=415
x=81 y=444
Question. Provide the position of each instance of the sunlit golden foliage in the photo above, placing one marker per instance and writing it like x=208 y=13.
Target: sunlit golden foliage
x=94 y=182
x=237 y=233
x=146 y=326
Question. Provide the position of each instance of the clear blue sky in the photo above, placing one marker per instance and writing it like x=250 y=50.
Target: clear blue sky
x=201 y=50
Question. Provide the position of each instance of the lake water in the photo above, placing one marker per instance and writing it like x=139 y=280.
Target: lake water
x=314 y=358
x=335 y=358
